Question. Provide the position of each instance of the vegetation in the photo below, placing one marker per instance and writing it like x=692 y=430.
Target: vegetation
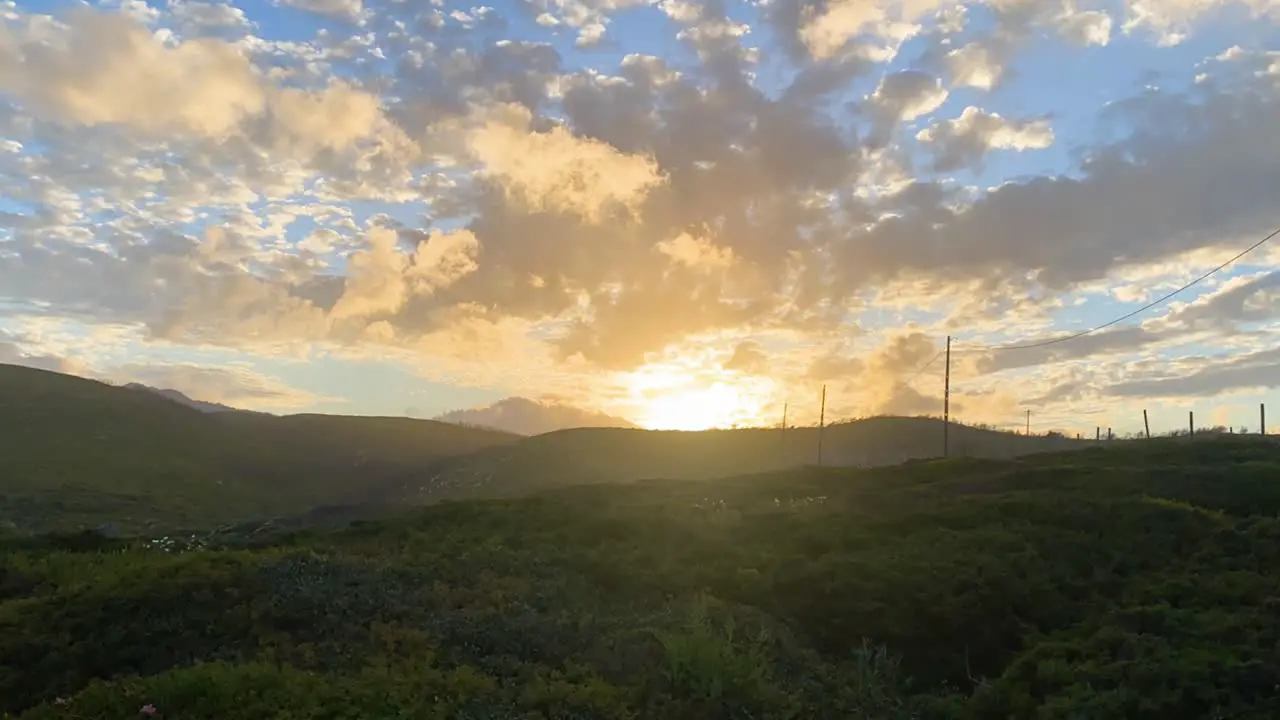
x=595 y=455
x=76 y=452
x=1135 y=581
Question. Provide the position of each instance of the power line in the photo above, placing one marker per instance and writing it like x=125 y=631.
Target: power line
x=924 y=367
x=1140 y=310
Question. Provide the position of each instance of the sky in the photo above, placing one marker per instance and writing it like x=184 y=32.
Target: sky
x=687 y=214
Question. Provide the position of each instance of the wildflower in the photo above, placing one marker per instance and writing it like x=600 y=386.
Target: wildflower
x=148 y=710
x=61 y=701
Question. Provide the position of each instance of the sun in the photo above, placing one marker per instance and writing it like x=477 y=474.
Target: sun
x=667 y=399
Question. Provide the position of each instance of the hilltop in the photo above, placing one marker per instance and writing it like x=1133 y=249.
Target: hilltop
x=182 y=399
x=592 y=455
x=76 y=451
x=529 y=417
x=1132 y=582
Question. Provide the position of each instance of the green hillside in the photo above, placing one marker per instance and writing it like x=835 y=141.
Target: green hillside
x=590 y=455
x=76 y=451
x=1134 y=582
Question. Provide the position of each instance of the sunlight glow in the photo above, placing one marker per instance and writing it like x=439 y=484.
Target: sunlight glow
x=671 y=398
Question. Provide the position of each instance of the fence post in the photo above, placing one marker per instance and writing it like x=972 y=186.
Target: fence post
x=1262 y=418
x=1191 y=423
x=1146 y=425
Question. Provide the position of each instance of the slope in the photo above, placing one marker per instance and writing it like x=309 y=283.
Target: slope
x=77 y=451
x=182 y=399
x=528 y=417
x=1133 y=582
x=589 y=455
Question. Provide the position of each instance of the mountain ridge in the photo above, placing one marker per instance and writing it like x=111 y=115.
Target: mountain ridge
x=523 y=416
x=184 y=399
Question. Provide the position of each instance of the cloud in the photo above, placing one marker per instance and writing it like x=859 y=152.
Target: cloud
x=977 y=64
x=696 y=253
x=902 y=97
x=13 y=351
x=748 y=357
x=1171 y=20
x=202 y=18
x=1245 y=299
x=963 y=142
x=1153 y=195
x=1252 y=371
x=382 y=278
x=554 y=171
x=235 y=386
x=348 y=9
x=400 y=180
x=827 y=28
x=1087 y=27
x=103 y=69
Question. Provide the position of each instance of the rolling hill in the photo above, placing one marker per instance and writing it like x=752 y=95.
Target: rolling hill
x=591 y=455
x=76 y=451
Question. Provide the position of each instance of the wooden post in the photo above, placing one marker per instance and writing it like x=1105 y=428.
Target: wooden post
x=822 y=420
x=946 y=405
x=1262 y=418
x=1146 y=425
x=784 y=433
x=1110 y=437
x=1191 y=423
x=1097 y=433
x=1028 y=432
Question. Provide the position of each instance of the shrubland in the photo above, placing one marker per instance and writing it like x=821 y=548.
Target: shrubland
x=1129 y=582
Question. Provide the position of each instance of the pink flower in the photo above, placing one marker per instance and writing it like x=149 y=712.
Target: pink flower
x=148 y=710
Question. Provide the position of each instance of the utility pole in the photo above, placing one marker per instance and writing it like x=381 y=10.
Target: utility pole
x=784 y=433
x=946 y=405
x=1146 y=425
x=822 y=421
x=1028 y=432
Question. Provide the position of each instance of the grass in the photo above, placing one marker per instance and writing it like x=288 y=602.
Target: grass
x=1131 y=582
x=76 y=452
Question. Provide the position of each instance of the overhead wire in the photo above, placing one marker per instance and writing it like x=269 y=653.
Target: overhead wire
x=1074 y=336
x=1160 y=300
x=924 y=367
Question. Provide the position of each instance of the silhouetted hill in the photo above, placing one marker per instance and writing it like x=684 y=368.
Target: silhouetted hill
x=590 y=455
x=76 y=451
x=529 y=417
x=182 y=399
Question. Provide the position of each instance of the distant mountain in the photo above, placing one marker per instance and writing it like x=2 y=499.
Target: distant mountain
x=530 y=417
x=182 y=399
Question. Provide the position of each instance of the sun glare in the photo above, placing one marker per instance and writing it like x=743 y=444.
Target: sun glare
x=667 y=399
